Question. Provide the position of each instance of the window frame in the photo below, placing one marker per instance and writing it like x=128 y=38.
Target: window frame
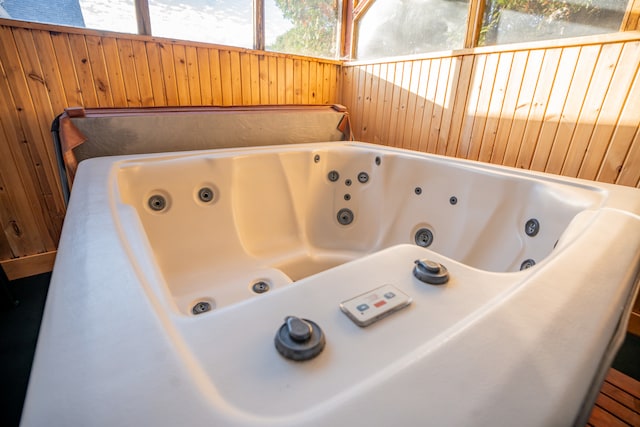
x=475 y=16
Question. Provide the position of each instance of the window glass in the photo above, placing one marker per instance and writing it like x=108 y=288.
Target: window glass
x=303 y=27
x=512 y=21
x=405 y=27
x=228 y=22
x=112 y=15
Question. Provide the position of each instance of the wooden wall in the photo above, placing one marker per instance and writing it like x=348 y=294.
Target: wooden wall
x=565 y=107
x=45 y=69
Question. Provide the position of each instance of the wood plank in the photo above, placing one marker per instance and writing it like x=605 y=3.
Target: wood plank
x=362 y=124
x=555 y=107
x=50 y=71
x=313 y=83
x=621 y=396
x=601 y=418
x=26 y=133
x=582 y=77
x=482 y=107
x=225 y=77
x=154 y=58
x=281 y=81
x=255 y=80
x=215 y=68
x=114 y=71
x=273 y=80
x=618 y=410
x=63 y=58
x=405 y=84
x=622 y=139
x=193 y=73
x=382 y=103
x=439 y=105
x=591 y=108
x=495 y=106
x=430 y=99
x=525 y=102
x=459 y=104
x=335 y=85
x=611 y=109
x=80 y=58
x=30 y=265
x=41 y=151
x=169 y=72
x=509 y=105
x=182 y=75
x=304 y=71
x=538 y=109
x=263 y=66
x=127 y=62
x=412 y=101
x=449 y=98
x=143 y=73
x=624 y=382
x=297 y=81
x=396 y=82
x=371 y=123
x=289 y=81
x=205 y=79
x=245 y=81
x=327 y=94
x=19 y=223
x=99 y=71
x=359 y=89
x=471 y=106
x=236 y=78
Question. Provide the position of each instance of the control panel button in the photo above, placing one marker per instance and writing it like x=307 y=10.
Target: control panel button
x=372 y=306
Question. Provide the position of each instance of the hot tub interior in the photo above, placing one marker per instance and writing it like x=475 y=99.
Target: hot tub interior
x=224 y=226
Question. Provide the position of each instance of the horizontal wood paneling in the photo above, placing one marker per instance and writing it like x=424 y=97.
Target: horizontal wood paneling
x=45 y=69
x=571 y=109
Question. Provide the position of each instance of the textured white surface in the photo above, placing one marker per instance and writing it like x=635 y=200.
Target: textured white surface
x=118 y=347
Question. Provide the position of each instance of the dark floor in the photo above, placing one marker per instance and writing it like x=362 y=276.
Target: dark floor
x=19 y=331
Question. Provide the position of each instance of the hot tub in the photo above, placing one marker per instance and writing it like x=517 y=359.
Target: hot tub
x=176 y=271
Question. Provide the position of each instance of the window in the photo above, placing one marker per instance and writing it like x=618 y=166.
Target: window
x=399 y=27
x=304 y=27
x=112 y=15
x=228 y=22
x=403 y=27
x=511 y=21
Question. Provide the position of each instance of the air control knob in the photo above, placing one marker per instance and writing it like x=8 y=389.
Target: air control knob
x=299 y=339
x=430 y=272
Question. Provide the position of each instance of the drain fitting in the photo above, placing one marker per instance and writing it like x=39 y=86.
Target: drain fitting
x=206 y=194
x=157 y=202
x=424 y=237
x=532 y=227
x=527 y=263
x=345 y=216
x=201 y=307
x=260 y=287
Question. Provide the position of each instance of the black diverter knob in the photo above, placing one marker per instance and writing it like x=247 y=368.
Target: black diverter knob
x=430 y=272
x=299 y=339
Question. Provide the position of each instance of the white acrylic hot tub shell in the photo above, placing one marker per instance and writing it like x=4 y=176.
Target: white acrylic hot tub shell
x=488 y=348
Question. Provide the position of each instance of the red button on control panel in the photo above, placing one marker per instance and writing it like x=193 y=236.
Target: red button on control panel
x=380 y=303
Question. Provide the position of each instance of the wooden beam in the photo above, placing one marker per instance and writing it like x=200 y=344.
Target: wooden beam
x=474 y=23
x=143 y=17
x=258 y=25
x=631 y=20
x=18 y=268
x=346 y=32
